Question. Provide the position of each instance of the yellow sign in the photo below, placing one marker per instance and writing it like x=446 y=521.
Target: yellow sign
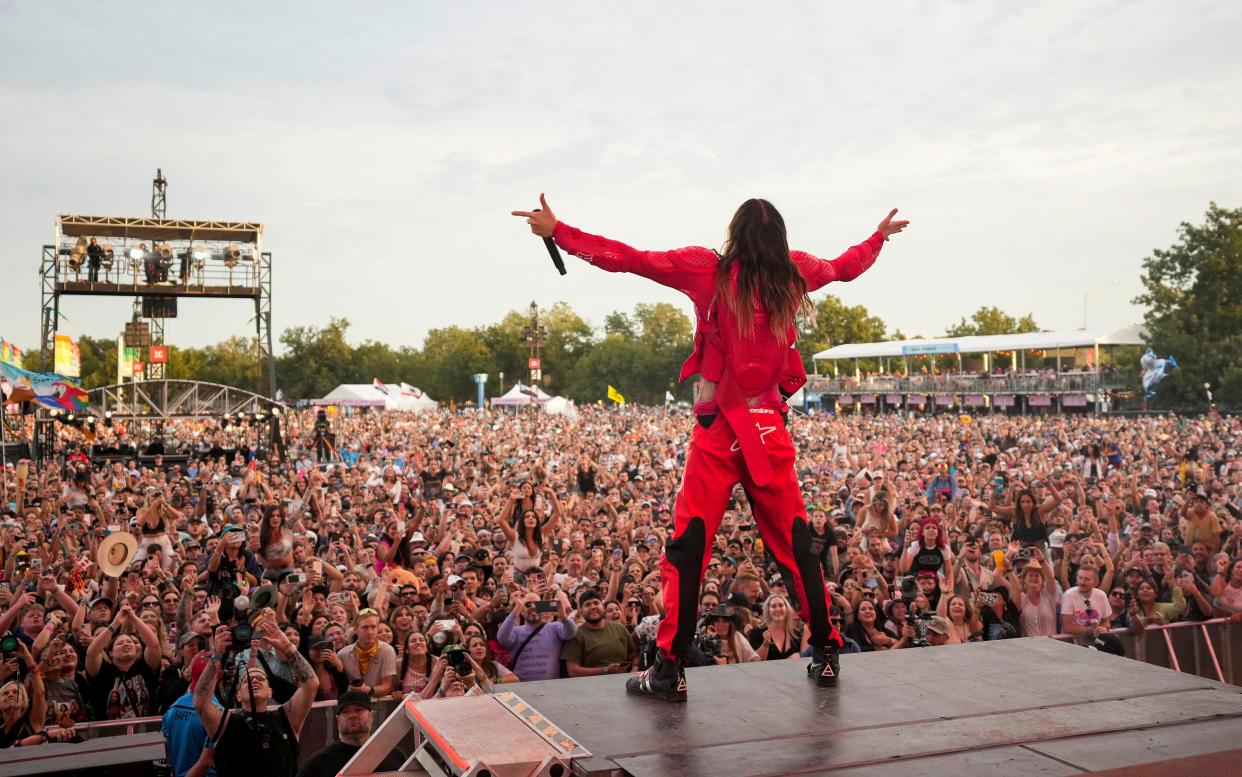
x=615 y=396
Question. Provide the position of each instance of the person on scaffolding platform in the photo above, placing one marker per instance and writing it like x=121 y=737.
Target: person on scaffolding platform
x=746 y=299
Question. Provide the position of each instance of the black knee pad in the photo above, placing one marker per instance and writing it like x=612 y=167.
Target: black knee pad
x=685 y=553
x=812 y=581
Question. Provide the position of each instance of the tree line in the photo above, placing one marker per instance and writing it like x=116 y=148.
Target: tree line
x=1192 y=293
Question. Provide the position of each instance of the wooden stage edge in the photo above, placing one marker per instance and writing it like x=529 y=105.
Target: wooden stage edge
x=1026 y=706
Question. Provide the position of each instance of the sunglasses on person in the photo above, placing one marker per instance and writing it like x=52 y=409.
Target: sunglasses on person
x=1117 y=593
x=150 y=603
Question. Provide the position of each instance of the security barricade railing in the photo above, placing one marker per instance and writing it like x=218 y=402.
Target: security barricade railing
x=1209 y=649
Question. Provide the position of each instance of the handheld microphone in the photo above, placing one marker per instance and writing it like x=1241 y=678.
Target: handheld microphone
x=553 y=252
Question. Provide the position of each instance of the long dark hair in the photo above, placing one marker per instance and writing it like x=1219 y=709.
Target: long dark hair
x=265 y=528
x=1027 y=518
x=766 y=274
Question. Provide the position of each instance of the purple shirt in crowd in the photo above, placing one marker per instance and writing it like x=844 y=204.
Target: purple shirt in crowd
x=541 y=659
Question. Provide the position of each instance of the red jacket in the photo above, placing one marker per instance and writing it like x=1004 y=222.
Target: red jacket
x=693 y=272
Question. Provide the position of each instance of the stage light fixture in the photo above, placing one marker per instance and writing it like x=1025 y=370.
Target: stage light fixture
x=276 y=412
x=199 y=253
x=232 y=255
x=135 y=253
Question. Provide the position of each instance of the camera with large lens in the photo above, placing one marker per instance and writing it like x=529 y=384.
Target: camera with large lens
x=907 y=589
x=457 y=659
x=8 y=644
x=920 y=620
x=709 y=644
x=242 y=633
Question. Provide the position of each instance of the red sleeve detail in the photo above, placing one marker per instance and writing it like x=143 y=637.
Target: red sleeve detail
x=846 y=267
x=684 y=269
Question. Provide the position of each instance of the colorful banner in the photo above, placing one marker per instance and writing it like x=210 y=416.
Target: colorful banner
x=1039 y=400
x=1002 y=400
x=917 y=399
x=846 y=399
x=944 y=400
x=615 y=396
x=127 y=357
x=1074 y=400
x=974 y=400
x=10 y=354
x=866 y=399
x=47 y=388
x=894 y=399
x=66 y=358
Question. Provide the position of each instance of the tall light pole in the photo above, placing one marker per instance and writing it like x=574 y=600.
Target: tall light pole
x=535 y=335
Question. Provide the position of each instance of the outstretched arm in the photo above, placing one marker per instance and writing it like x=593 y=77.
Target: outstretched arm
x=668 y=268
x=851 y=264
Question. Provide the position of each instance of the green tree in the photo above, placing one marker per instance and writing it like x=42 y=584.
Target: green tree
x=316 y=360
x=451 y=355
x=992 y=321
x=836 y=324
x=1193 y=294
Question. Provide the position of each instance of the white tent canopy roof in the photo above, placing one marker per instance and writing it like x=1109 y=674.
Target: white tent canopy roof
x=399 y=397
x=519 y=395
x=1074 y=338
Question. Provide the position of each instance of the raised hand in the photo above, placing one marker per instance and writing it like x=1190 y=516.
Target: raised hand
x=542 y=222
x=887 y=226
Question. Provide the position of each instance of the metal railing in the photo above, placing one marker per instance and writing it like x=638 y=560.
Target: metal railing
x=1209 y=649
x=949 y=383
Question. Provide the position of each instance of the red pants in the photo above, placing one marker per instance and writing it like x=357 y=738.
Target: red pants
x=714 y=465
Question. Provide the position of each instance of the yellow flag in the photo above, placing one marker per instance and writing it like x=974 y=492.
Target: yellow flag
x=615 y=396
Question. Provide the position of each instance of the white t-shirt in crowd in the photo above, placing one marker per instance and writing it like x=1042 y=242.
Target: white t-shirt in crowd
x=1086 y=611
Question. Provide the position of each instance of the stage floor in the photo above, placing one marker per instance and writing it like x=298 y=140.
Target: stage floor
x=1027 y=706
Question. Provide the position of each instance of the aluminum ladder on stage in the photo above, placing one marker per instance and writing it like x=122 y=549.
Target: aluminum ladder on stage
x=471 y=736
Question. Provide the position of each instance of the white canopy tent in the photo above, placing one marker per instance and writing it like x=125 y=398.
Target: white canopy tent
x=561 y=406
x=1047 y=341
x=404 y=399
x=520 y=396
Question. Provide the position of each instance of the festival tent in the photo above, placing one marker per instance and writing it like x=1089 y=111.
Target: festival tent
x=404 y=399
x=520 y=395
x=411 y=399
x=561 y=406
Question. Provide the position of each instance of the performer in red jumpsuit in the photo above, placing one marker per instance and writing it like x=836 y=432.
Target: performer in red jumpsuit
x=745 y=299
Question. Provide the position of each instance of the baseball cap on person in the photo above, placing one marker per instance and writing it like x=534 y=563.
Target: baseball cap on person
x=455 y=580
x=354 y=698
x=927 y=574
x=1108 y=643
x=186 y=638
x=418 y=537
x=737 y=599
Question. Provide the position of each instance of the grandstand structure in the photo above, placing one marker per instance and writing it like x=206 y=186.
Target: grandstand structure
x=1075 y=370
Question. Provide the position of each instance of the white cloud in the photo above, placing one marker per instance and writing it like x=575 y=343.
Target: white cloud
x=1041 y=149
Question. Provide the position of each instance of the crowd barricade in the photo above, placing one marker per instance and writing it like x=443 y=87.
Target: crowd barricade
x=1209 y=649
x=318 y=730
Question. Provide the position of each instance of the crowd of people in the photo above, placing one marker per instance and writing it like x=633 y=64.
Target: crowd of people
x=446 y=555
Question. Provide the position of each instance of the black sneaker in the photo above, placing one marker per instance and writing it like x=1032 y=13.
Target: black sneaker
x=664 y=680
x=825 y=666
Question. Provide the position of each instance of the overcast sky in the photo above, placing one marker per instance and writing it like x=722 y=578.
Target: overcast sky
x=1040 y=149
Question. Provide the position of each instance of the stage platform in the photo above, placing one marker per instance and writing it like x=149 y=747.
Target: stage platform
x=1015 y=707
